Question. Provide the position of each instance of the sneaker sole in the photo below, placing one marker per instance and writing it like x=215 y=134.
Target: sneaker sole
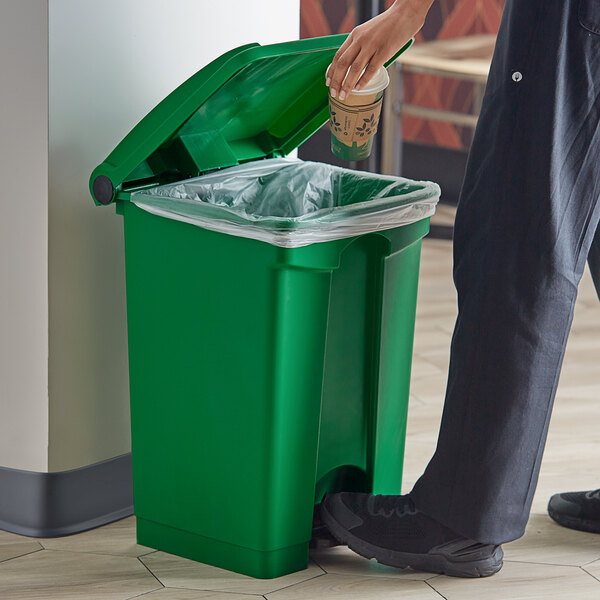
x=431 y=563
x=575 y=522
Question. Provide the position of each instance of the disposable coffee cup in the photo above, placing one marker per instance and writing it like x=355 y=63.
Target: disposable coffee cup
x=353 y=121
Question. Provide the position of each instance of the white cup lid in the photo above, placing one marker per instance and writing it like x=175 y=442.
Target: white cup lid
x=378 y=82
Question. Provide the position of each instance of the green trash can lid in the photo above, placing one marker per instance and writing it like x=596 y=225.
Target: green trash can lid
x=250 y=103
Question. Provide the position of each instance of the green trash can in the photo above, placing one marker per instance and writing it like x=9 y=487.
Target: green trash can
x=270 y=342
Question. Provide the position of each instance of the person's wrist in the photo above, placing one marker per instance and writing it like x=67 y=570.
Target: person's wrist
x=411 y=9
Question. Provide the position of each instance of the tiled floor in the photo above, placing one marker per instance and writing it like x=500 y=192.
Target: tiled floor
x=548 y=563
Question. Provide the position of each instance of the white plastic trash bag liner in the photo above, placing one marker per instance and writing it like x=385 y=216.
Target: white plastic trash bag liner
x=292 y=203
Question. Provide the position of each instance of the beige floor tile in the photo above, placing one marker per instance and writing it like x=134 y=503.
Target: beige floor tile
x=435 y=300
x=423 y=422
x=414 y=400
x=586 y=287
x=586 y=319
x=177 y=572
x=573 y=407
x=584 y=325
x=422 y=368
x=546 y=542
x=350 y=587
x=583 y=342
x=178 y=594
x=342 y=561
x=553 y=481
x=578 y=389
x=587 y=291
x=436 y=259
x=430 y=390
x=575 y=449
x=115 y=538
x=574 y=378
x=436 y=286
x=593 y=569
x=435 y=283
x=581 y=359
x=590 y=302
x=439 y=358
x=433 y=289
x=448 y=326
x=435 y=296
x=58 y=575
x=13 y=549
x=416 y=457
x=571 y=411
x=8 y=537
x=576 y=454
x=522 y=581
x=437 y=312
x=431 y=339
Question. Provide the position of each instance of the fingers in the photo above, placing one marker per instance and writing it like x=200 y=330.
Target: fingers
x=356 y=68
x=356 y=54
x=339 y=67
x=374 y=65
x=338 y=54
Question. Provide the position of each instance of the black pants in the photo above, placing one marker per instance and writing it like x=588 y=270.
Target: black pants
x=525 y=225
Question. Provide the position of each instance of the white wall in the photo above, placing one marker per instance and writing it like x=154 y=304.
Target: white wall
x=111 y=61
x=23 y=235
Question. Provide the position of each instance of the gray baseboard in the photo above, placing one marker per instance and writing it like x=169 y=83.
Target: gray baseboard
x=56 y=504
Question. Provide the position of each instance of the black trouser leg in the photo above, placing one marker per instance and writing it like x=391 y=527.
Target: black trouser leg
x=527 y=216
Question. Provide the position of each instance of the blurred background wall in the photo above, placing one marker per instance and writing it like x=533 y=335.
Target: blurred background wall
x=441 y=147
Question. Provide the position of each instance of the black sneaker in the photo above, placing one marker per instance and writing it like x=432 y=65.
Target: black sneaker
x=321 y=536
x=576 y=510
x=394 y=532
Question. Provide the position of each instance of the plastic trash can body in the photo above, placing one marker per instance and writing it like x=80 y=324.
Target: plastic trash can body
x=261 y=378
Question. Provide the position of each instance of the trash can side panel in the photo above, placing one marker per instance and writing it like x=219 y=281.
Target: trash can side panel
x=399 y=299
x=300 y=320
x=199 y=306
x=350 y=366
x=368 y=361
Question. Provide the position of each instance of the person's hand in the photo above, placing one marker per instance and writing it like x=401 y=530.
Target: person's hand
x=373 y=43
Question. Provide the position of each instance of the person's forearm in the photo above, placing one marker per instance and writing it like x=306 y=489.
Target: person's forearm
x=373 y=43
x=419 y=8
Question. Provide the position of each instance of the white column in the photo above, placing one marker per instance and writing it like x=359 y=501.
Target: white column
x=112 y=61
x=24 y=234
